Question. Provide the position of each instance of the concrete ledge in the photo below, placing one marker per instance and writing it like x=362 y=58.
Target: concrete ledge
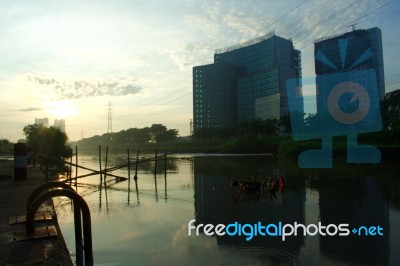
x=13 y=196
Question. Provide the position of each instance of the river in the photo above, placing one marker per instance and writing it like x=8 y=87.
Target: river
x=148 y=224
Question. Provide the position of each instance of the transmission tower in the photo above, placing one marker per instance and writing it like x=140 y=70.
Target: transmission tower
x=109 y=124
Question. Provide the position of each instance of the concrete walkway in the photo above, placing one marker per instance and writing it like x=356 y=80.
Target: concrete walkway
x=13 y=196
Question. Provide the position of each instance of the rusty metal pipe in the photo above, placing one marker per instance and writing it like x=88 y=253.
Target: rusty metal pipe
x=80 y=204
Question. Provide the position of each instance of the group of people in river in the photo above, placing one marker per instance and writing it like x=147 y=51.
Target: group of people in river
x=260 y=186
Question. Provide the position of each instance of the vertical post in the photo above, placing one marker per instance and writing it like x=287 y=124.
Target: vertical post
x=165 y=175
x=136 y=177
x=76 y=161
x=101 y=178
x=105 y=166
x=105 y=192
x=78 y=234
x=70 y=170
x=129 y=177
x=136 y=167
x=155 y=175
x=76 y=168
x=100 y=160
x=20 y=162
x=155 y=163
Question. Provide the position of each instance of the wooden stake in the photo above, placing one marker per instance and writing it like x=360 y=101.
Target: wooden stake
x=105 y=166
x=100 y=161
x=129 y=177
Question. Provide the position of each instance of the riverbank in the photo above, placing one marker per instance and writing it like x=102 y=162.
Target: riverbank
x=13 y=197
x=282 y=147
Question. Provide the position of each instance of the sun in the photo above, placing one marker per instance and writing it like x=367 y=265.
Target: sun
x=62 y=109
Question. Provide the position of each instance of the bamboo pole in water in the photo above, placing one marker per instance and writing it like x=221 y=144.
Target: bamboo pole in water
x=136 y=177
x=101 y=178
x=129 y=177
x=76 y=168
x=105 y=166
x=129 y=167
x=70 y=170
x=165 y=174
x=136 y=168
x=155 y=164
x=155 y=175
x=76 y=161
x=100 y=161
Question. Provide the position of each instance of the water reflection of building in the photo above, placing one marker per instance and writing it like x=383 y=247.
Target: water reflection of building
x=216 y=202
x=357 y=202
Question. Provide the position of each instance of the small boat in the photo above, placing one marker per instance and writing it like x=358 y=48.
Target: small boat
x=271 y=185
x=247 y=185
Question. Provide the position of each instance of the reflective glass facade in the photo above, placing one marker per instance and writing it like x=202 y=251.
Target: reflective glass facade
x=353 y=52
x=242 y=79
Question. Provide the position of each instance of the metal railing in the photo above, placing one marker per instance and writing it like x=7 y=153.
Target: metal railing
x=82 y=220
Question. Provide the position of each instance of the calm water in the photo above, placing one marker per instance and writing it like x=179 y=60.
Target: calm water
x=151 y=227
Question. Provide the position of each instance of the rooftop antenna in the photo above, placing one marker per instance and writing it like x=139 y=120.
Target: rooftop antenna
x=353 y=26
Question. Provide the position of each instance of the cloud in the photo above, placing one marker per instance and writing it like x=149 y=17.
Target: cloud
x=29 y=109
x=326 y=18
x=84 y=89
x=191 y=54
x=242 y=23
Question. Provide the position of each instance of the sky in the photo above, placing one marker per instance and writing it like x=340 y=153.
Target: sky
x=69 y=59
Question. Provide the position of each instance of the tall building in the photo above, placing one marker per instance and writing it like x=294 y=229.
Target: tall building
x=246 y=81
x=353 y=53
x=60 y=124
x=42 y=121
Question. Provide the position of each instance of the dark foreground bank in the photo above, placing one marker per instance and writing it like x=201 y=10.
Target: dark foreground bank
x=13 y=196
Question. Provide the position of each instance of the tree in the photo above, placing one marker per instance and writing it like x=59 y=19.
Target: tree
x=135 y=135
x=48 y=141
x=5 y=146
x=160 y=133
x=207 y=133
x=391 y=110
x=259 y=127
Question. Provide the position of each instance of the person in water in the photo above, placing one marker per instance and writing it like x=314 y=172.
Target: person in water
x=281 y=183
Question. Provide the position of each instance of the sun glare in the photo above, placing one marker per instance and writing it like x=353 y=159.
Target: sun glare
x=62 y=109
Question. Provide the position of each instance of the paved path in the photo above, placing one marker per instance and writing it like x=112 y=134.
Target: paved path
x=13 y=196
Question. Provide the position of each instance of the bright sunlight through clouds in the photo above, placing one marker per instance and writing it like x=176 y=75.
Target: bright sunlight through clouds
x=68 y=59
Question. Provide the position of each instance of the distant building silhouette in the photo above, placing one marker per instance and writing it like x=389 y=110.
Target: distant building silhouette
x=245 y=82
x=60 y=124
x=42 y=121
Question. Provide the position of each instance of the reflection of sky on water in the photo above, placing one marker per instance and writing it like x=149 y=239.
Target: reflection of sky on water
x=154 y=230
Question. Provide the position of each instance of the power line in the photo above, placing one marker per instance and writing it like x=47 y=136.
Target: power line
x=172 y=100
x=162 y=98
x=298 y=22
x=330 y=17
x=301 y=36
x=367 y=14
x=287 y=13
x=347 y=22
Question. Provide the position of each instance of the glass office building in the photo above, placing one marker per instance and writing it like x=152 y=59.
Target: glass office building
x=353 y=53
x=245 y=82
